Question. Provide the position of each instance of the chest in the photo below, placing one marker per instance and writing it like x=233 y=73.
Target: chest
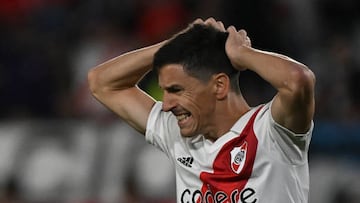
x=229 y=159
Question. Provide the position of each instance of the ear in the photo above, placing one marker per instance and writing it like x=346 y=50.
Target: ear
x=222 y=85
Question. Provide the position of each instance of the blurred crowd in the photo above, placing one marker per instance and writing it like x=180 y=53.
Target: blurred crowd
x=48 y=46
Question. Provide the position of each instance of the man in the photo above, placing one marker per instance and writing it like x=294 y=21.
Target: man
x=223 y=149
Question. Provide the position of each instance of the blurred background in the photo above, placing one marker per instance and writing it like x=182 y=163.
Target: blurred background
x=58 y=145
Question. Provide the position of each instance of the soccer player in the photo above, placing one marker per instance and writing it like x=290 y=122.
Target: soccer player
x=223 y=149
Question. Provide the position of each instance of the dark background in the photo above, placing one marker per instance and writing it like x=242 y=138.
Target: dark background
x=47 y=47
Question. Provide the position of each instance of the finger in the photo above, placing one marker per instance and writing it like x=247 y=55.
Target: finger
x=243 y=33
x=248 y=41
x=221 y=26
x=231 y=29
x=198 y=21
x=210 y=21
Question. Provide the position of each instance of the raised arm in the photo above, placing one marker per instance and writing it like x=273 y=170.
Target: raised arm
x=114 y=84
x=294 y=105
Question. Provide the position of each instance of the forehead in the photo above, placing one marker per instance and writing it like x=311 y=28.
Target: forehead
x=174 y=74
x=172 y=70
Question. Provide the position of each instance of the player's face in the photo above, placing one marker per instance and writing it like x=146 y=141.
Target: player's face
x=189 y=99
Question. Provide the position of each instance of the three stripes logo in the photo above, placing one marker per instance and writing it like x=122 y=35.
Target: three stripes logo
x=187 y=161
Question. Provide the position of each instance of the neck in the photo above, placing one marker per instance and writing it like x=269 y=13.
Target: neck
x=226 y=114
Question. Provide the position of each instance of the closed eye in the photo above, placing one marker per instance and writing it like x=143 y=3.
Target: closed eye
x=174 y=89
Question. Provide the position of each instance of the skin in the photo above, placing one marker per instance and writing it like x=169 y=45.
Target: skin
x=202 y=103
x=213 y=107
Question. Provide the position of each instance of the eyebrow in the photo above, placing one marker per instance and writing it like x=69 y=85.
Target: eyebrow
x=173 y=88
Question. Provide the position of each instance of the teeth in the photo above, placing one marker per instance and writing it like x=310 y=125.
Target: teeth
x=181 y=117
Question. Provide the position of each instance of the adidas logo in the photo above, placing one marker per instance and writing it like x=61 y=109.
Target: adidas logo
x=187 y=161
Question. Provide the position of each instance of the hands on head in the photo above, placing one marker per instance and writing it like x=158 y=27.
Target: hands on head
x=235 y=41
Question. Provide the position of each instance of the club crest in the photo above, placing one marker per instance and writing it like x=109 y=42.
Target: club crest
x=238 y=158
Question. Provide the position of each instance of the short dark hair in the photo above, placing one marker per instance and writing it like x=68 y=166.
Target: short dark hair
x=201 y=52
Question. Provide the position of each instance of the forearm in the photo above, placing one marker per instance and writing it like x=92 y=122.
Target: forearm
x=293 y=106
x=282 y=72
x=124 y=71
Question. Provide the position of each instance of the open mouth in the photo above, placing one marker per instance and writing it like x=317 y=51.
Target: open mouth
x=182 y=118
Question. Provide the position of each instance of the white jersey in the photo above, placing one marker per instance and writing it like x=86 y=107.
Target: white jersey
x=256 y=161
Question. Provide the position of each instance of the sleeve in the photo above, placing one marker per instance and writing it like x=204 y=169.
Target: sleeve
x=161 y=129
x=293 y=147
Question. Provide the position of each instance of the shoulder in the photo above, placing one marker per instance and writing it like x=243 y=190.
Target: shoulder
x=292 y=146
x=161 y=127
x=159 y=118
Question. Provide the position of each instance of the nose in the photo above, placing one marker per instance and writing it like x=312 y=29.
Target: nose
x=169 y=101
